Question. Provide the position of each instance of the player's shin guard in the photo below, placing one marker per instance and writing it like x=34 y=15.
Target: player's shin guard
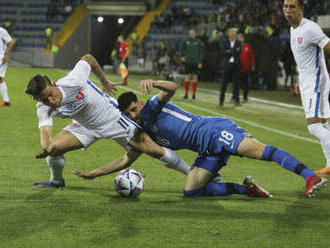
x=173 y=161
x=186 y=87
x=56 y=165
x=224 y=189
x=286 y=160
x=322 y=132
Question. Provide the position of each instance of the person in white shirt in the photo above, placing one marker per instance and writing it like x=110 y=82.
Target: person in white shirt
x=308 y=43
x=95 y=115
x=6 y=44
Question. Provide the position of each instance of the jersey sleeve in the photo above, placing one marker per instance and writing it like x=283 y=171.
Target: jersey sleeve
x=151 y=109
x=318 y=37
x=44 y=116
x=5 y=35
x=78 y=76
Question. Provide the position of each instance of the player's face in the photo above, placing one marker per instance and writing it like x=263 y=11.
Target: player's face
x=50 y=96
x=292 y=12
x=134 y=111
x=240 y=37
x=232 y=34
x=192 y=33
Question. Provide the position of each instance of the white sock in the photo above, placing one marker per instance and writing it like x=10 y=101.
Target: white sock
x=4 y=91
x=173 y=161
x=56 y=165
x=323 y=134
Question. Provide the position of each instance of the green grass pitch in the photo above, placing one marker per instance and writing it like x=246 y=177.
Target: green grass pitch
x=91 y=214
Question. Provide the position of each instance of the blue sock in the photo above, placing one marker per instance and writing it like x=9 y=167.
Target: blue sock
x=194 y=192
x=286 y=160
x=224 y=189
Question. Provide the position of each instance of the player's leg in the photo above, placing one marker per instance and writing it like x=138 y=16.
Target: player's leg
x=194 y=83
x=142 y=142
x=63 y=142
x=225 y=79
x=245 y=80
x=187 y=80
x=198 y=182
x=251 y=148
x=3 y=86
x=236 y=83
x=317 y=110
x=319 y=128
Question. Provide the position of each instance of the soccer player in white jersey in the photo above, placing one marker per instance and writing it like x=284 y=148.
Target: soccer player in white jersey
x=95 y=114
x=308 y=43
x=6 y=44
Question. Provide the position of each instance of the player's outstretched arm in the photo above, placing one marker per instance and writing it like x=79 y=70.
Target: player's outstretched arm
x=45 y=140
x=108 y=85
x=8 y=50
x=167 y=89
x=116 y=165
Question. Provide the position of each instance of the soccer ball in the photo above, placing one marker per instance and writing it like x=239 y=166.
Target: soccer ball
x=129 y=183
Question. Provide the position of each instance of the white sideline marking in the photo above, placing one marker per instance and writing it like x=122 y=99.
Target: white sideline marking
x=254 y=124
x=286 y=105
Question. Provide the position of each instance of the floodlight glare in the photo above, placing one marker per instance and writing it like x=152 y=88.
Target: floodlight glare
x=100 y=19
x=120 y=20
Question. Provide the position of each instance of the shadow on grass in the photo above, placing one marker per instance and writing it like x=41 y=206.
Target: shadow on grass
x=306 y=213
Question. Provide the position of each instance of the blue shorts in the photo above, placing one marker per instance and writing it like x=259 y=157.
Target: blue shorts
x=212 y=163
x=226 y=136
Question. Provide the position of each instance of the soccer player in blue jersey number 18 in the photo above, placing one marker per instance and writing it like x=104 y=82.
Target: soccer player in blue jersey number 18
x=213 y=138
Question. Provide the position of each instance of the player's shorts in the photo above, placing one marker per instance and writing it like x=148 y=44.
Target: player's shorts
x=316 y=104
x=191 y=68
x=3 y=68
x=212 y=163
x=226 y=135
x=121 y=131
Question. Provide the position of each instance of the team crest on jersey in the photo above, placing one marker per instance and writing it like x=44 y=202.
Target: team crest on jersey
x=80 y=96
x=300 y=40
x=70 y=106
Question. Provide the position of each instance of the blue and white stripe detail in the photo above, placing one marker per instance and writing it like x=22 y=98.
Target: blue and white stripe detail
x=130 y=121
x=100 y=92
x=317 y=83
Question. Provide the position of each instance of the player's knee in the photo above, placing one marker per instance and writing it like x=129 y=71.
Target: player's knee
x=193 y=192
x=268 y=152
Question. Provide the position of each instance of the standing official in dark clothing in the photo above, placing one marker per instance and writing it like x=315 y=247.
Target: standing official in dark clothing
x=231 y=65
x=191 y=53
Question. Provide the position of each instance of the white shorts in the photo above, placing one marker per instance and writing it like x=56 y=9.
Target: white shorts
x=316 y=104
x=121 y=132
x=3 y=69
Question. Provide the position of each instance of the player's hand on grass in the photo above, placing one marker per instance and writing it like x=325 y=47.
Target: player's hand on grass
x=42 y=154
x=110 y=88
x=85 y=175
x=146 y=86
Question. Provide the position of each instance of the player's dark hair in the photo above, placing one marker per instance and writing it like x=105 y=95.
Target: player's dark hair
x=301 y=3
x=126 y=99
x=37 y=84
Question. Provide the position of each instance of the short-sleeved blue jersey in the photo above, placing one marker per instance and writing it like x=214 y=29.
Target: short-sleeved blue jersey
x=170 y=126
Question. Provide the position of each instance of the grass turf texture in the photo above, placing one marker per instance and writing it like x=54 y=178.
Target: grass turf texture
x=91 y=214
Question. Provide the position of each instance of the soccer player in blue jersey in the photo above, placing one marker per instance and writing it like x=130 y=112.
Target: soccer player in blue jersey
x=214 y=138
